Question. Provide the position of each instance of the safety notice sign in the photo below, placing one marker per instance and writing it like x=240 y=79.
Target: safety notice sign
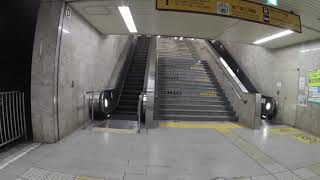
x=237 y=9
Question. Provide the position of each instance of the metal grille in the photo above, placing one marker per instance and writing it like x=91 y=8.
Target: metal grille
x=12 y=117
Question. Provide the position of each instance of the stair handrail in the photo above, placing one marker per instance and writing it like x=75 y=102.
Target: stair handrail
x=248 y=109
x=149 y=85
x=238 y=82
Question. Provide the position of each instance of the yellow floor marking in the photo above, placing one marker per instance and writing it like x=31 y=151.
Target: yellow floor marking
x=285 y=131
x=209 y=94
x=203 y=79
x=221 y=127
x=112 y=130
x=307 y=138
x=88 y=178
x=297 y=134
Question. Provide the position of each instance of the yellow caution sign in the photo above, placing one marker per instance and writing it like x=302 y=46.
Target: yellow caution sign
x=307 y=138
x=246 y=10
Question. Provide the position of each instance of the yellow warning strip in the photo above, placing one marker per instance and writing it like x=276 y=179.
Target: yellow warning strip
x=297 y=134
x=221 y=127
x=285 y=131
x=112 y=130
x=307 y=138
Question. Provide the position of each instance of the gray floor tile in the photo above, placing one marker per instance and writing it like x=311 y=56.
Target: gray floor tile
x=266 y=177
x=286 y=176
x=304 y=173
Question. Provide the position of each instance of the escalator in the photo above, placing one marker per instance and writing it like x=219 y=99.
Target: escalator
x=122 y=101
x=133 y=84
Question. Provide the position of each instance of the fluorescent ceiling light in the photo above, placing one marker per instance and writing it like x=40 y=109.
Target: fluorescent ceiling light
x=127 y=17
x=273 y=2
x=175 y=38
x=181 y=38
x=308 y=50
x=275 y=36
x=65 y=31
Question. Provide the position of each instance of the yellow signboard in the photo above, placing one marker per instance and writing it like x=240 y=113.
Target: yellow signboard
x=237 y=9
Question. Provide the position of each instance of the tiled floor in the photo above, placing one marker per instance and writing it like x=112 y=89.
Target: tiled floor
x=181 y=153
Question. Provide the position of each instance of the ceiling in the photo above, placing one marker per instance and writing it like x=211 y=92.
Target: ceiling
x=105 y=17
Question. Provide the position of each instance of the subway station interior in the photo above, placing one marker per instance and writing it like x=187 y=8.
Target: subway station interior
x=160 y=90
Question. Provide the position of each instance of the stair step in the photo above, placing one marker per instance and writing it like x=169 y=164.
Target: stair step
x=194 y=101
x=195 y=118
x=186 y=83
x=130 y=92
x=195 y=112
x=184 y=94
x=190 y=89
x=129 y=97
x=127 y=108
x=124 y=112
x=128 y=103
x=193 y=106
x=188 y=86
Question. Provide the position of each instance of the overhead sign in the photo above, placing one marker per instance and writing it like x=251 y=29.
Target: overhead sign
x=242 y=9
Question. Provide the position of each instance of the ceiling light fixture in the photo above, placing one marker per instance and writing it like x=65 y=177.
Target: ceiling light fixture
x=275 y=36
x=127 y=17
x=308 y=50
x=175 y=38
x=181 y=38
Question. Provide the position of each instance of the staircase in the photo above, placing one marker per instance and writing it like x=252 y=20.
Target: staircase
x=187 y=88
x=133 y=86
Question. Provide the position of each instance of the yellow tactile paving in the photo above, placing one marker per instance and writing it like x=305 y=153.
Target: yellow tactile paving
x=297 y=134
x=285 y=131
x=221 y=127
x=307 y=138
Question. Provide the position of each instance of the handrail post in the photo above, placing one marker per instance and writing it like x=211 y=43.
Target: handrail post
x=92 y=108
x=139 y=113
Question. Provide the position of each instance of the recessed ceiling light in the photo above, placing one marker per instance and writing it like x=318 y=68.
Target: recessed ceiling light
x=127 y=17
x=275 y=36
x=308 y=50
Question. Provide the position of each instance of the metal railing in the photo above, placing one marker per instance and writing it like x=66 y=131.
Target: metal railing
x=12 y=117
x=90 y=104
x=223 y=66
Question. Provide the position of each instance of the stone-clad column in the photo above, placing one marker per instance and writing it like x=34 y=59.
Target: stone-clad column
x=44 y=76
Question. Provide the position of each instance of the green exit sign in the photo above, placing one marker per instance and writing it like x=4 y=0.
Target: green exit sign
x=273 y=2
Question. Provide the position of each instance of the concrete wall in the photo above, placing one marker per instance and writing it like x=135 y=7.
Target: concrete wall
x=275 y=72
x=70 y=57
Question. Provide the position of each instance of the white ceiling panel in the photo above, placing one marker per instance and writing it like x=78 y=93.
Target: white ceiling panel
x=104 y=15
